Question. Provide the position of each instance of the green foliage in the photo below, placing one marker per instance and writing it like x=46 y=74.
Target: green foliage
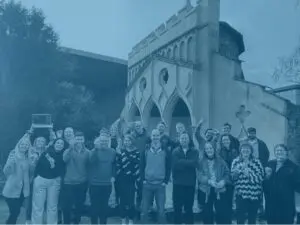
x=32 y=69
x=73 y=105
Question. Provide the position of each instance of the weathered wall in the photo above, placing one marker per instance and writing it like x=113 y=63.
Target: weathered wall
x=267 y=110
x=293 y=134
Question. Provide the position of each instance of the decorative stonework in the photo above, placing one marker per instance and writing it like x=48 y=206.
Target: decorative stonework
x=242 y=114
x=143 y=85
x=163 y=77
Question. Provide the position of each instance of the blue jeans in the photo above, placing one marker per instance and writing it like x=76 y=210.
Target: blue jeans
x=151 y=192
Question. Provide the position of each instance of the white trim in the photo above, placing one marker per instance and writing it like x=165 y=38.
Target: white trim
x=93 y=55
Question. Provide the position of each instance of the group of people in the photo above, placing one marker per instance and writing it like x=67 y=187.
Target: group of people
x=217 y=167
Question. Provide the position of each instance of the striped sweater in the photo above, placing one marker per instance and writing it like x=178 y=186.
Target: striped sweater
x=248 y=178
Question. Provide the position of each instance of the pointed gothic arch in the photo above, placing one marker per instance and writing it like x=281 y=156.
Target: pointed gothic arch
x=151 y=114
x=134 y=112
x=177 y=110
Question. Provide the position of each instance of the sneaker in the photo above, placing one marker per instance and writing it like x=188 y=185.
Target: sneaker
x=130 y=222
x=28 y=222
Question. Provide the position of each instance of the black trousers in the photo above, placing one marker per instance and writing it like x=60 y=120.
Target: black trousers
x=14 y=207
x=29 y=203
x=246 y=209
x=73 y=197
x=127 y=194
x=219 y=203
x=228 y=203
x=183 y=198
x=99 y=195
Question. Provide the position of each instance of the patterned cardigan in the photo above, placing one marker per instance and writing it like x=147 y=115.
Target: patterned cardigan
x=248 y=186
x=221 y=170
x=128 y=165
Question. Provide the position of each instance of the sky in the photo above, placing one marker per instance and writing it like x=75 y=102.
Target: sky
x=271 y=28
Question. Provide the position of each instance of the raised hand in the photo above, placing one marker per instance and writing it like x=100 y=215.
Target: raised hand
x=268 y=172
x=200 y=122
x=12 y=156
x=31 y=130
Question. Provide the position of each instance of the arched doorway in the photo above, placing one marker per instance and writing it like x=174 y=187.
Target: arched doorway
x=134 y=113
x=154 y=118
x=180 y=114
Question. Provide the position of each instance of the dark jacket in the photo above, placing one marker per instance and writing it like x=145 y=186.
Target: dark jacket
x=141 y=141
x=280 y=191
x=114 y=143
x=166 y=142
x=264 y=153
x=143 y=164
x=184 y=166
x=228 y=155
x=234 y=142
x=43 y=167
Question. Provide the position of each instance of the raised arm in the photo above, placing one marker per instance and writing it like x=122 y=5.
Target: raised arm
x=9 y=167
x=67 y=155
x=235 y=169
x=198 y=134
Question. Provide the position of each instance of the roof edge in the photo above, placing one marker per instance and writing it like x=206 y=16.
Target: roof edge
x=287 y=88
x=93 y=55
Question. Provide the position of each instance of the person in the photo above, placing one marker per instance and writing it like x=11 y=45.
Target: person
x=16 y=171
x=128 y=176
x=260 y=149
x=184 y=164
x=116 y=144
x=228 y=153
x=180 y=128
x=213 y=177
x=69 y=135
x=247 y=174
x=235 y=144
x=75 y=184
x=281 y=183
x=155 y=169
x=34 y=153
x=114 y=137
x=141 y=141
x=208 y=136
x=47 y=183
x=164 y=138
x=102 y=171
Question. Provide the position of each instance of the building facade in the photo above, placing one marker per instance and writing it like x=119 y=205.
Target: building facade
x=189 y=69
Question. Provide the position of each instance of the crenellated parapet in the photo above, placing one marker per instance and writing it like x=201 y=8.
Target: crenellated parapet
x=178 y=24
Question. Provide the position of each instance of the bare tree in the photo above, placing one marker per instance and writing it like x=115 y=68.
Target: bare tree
x=289 y=67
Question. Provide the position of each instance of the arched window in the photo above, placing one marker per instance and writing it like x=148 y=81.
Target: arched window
x=169 y=52
x=190 y=49
x=175 y=52
x=181 y=50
